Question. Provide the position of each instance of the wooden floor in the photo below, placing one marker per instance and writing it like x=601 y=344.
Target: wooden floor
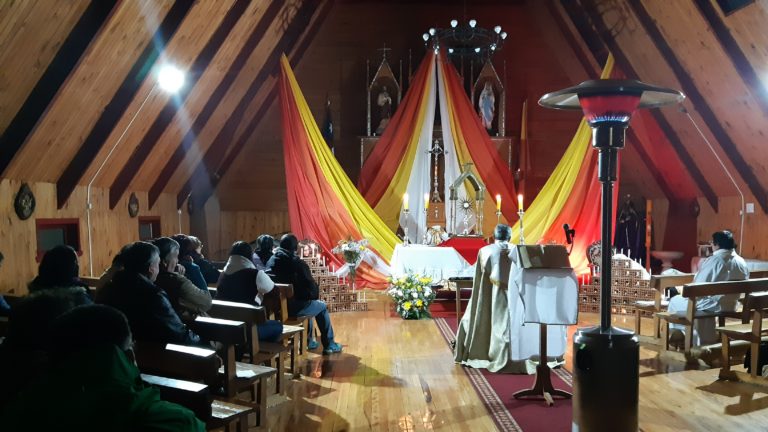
x=399 y=376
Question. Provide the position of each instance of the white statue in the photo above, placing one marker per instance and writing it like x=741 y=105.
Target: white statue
x=486 y=106
x=384 y=101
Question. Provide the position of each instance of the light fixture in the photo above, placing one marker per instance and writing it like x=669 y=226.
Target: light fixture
x=607 y=359
x=170 y=78
x=467 y=39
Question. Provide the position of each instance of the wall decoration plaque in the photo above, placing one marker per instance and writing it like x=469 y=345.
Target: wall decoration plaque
x=24 y=203
x=133 y=205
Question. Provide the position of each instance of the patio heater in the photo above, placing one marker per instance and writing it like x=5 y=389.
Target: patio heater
x=606 y=372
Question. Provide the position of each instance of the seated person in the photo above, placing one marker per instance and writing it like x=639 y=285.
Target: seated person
x=133 y=292
x=263 y=252
x=241 y=282
x=59 y=270
x=24 y=352
x=483 y=337
x=289 y=268
x=188 y=301
x=94 y=382
x=724 y=265
x=210 y=273
x=186 y=259
x=109 y=273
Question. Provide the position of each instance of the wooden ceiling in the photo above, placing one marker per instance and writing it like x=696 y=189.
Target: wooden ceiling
x=77 y=87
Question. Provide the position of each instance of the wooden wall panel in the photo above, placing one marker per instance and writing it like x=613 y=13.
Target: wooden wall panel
x=213 y=75
x=110 y=229
x=755 y=226
x=189 y=39
x=31 y=33
x=244 y=225
x=233 y=97
x=90 y=88
x=715 y=76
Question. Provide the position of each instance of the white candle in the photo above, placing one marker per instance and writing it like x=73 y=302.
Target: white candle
x=519 y=201
x=426 y=201
x=498 y=202
x=405 y=201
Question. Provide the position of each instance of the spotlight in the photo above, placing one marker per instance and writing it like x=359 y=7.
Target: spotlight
x=454 y=23
x=425 y=37
x=497 y=29
x=432 y=31
x=472 y=23
x=503 y=35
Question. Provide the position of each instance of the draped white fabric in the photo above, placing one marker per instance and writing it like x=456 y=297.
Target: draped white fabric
x=419 y=182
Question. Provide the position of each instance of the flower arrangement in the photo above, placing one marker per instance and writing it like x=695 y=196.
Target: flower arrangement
x=352 y=253
x=412 y=295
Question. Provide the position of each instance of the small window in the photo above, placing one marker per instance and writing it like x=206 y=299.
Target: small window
x=149 y=228
x=54 y=232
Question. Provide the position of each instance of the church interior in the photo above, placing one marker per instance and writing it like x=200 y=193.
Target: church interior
x=405 y=215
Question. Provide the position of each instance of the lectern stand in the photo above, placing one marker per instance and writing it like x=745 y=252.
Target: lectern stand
x=546 y=268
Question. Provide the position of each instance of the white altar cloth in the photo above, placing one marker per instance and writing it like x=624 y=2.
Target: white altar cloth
x=439 y=263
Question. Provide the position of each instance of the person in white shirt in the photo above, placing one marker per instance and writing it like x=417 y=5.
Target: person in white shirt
x=724 y=265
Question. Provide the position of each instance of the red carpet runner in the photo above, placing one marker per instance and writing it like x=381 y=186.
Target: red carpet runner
x=508 y=413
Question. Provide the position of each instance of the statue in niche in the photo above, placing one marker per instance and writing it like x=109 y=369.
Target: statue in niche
x=486 y=106
x=630 y=230
x=384 y=101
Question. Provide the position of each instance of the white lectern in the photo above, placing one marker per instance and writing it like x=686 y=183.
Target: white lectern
x=549 y=292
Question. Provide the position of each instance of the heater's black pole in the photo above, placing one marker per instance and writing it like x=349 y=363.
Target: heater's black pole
x=606 y=248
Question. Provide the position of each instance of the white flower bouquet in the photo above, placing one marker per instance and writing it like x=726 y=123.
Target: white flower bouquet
x=412 y=295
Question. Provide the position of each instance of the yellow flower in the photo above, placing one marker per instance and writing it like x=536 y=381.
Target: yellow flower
x=419 y=303
x=407 y=305
x=362 y=248
x=425 y=280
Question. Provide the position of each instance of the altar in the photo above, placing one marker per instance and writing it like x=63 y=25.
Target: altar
x=438 y=263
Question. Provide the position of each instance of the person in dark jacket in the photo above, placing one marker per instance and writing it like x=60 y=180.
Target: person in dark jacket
x=264 y=246
x=289 y=268
x=207 y=269
x=188 y=301
x=94 y=382
x=241 y=282
x=186 y=259
x=59 y=270
x=133 y=292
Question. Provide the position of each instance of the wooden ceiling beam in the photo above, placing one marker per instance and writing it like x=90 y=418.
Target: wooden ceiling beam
x=120 y=101
x=734 y=52
x=213 y=102
x=164 y=118
x=699 y=102
x=74 y=47
x=226 y=136
x=589 y=8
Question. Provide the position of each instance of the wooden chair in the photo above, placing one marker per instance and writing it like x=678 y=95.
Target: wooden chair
x=754 y=332
x=237 y=377
x=295 y=329
x=660 y=283
x=692 y=291
x=197 y=398
x=272 y=354
x=461 y=284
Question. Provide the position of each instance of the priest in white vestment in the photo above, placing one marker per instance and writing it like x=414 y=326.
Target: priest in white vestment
x=724 y=265
x=483 y=338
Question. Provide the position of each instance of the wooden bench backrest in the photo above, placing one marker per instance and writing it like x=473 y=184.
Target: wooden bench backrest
x=179 y=361
x=699 y=289
x=662 y=282
x=229 y=333
x=757 y=301
x=285 y=292
x=249 y=314
x=760 y=274
x=194 y=396
x=90 y=281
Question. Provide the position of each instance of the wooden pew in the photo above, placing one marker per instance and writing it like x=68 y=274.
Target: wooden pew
x=752 y=332
x=258 y=352
x=692 y=291
x=295 y=329
x=237 y=376
x=197 y=397
x=179 y=361
x=659 y=283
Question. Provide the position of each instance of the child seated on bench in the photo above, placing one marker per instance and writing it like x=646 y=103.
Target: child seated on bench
x=724 y=265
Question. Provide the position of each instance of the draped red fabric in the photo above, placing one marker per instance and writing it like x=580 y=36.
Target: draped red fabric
x=381 y=165
x=314 y=209
x=488 y=162
x=582 y=212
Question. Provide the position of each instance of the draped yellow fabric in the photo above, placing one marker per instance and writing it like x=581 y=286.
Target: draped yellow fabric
x=388 y=207
x=547 y=205
x=380 y=236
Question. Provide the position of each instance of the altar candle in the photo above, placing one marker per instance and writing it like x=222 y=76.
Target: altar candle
x=498 y=202
x=405 y=201
x=519 y=201
x=426 y=201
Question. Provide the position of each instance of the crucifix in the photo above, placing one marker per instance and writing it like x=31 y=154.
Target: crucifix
x=436 y=151
x=384 y=51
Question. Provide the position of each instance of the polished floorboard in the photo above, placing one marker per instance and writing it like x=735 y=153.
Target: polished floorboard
x=397 y=375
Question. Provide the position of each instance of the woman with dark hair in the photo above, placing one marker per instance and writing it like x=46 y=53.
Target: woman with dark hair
x=188 y=301
x=242 y=282
x=264 y=246
x=187 y=260
x=133 y=292
x=58 y=270
x=289 y=268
